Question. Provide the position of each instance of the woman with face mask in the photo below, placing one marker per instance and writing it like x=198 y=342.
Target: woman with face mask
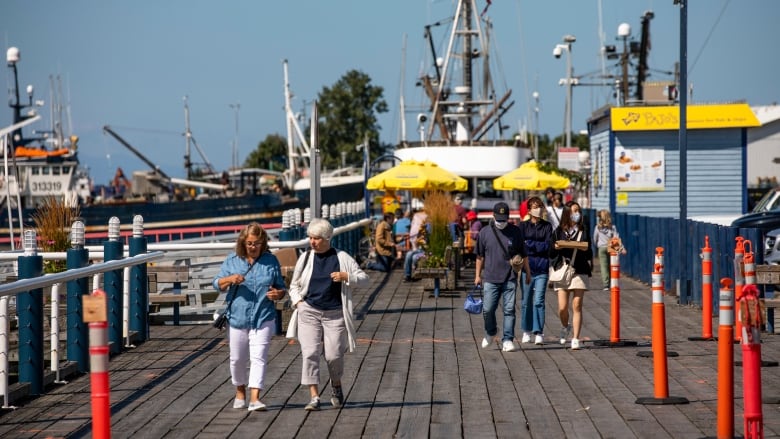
x=572 y=229
x=538 y=242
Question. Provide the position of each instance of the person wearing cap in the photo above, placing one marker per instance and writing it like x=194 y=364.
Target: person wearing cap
x=496 y=245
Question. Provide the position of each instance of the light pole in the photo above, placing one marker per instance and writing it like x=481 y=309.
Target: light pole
x=569 y=81
x=624 y=32
x=536 y=125
x=366 y=163
x=236 y=107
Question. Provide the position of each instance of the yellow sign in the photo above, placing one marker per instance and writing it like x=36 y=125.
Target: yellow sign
x=668 y=118
x=622 y=199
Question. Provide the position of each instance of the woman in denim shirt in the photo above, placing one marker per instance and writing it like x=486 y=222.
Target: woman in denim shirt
x=538 y=241
x=254 y=279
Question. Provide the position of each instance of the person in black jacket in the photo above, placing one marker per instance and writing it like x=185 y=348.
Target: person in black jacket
x=572 y=228
x=538 y=243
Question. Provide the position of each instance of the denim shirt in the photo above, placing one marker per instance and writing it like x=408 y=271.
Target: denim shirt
x=251 y=308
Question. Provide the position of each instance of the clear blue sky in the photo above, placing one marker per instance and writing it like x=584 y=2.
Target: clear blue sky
x=128 y=64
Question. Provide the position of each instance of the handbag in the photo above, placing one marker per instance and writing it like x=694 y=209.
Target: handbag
x=292 y=325
x=565 y=272
x=221 y=319
x=473 y=305
x=515 y=261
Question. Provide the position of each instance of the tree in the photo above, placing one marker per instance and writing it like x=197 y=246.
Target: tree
x=347 y=114
x=271 y=154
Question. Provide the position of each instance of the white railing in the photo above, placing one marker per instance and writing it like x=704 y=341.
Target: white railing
x=155 y=252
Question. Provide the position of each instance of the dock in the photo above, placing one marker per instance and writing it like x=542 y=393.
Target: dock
x=419 y=371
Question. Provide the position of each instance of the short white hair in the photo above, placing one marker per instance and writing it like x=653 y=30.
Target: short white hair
x=320 y=228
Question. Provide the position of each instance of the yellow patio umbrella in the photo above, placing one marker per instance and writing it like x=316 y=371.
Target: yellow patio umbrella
x=529 y=177
x=417 y=175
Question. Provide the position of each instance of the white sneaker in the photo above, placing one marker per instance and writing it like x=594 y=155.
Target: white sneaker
x=565 y=332
x=526 y=337
x=485 y=343
x=257 y=406
x=508 y=346
x=239 y=403
x=575 y=344
x=539 y=339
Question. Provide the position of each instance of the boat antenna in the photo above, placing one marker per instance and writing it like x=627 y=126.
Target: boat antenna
x=402 y=103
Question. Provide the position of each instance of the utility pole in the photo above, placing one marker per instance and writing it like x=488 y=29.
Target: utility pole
x=236 y=107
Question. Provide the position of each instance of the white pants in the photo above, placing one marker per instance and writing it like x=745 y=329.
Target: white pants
x=249 y=354
x=320 y=331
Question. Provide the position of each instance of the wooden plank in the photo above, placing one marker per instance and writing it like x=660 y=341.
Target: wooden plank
x=170 y=273
x=768 y=274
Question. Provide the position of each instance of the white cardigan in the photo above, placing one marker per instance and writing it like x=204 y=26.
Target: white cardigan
x=299 y=288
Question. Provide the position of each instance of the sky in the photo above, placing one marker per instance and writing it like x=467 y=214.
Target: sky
x=129 y=64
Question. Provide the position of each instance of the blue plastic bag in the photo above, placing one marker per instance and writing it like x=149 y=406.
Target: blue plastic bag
x=473 y=305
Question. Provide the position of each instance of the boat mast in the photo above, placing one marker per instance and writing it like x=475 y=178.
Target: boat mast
x=187 y=139
x=297 y=148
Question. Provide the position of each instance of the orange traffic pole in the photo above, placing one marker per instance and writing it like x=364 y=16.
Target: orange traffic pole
x=726 y=361
x=752 y=317
x=706 y=293
x=95 y=312
x=739 y=282
x=614 y=290
x=660 y=368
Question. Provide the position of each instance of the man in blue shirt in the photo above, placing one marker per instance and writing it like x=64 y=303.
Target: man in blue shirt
x=496 y=245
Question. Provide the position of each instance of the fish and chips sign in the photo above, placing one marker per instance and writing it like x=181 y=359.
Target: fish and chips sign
x=644 y=169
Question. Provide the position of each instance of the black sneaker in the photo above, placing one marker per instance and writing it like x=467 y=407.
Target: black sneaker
x=338 y=397
x=314 y=404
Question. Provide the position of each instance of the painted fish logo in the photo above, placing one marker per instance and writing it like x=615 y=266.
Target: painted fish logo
x=631 y=118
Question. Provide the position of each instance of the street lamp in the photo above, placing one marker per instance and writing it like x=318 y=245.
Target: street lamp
x=366 y=163
x=569 y=81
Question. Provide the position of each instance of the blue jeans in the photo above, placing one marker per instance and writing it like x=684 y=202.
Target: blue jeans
x=382 y=263
x=490 y=295
x=409 y=259
x=532 y=309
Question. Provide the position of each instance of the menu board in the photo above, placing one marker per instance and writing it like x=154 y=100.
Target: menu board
x=641 y=169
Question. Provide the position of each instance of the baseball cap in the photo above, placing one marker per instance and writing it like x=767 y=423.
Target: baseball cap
x=471 y=215
x=501 y=212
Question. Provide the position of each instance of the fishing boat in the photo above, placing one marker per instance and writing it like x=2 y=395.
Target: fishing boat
x=461 y=128
x=48 y=166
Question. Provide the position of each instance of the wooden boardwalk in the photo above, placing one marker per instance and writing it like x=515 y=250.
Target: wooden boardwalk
x=419 y=371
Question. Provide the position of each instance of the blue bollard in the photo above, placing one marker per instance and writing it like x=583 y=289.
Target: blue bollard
x=29 y=306
x=78 y=332
x=139 y=294
x=112 y=285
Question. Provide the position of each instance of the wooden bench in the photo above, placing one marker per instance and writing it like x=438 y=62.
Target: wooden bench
x=769 y=275
x=168 y=274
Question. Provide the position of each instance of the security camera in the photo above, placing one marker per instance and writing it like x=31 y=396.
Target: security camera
x=421 y=118
x=557 y=51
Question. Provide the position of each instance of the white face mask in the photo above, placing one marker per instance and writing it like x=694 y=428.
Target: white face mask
x=536 y=212
x=500 y=224
x=575 y=217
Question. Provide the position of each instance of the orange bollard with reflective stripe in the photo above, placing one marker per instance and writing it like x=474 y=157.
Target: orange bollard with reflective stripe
x=95 y=313
x=706 y=290
x=660 y=368
x=726 y=361
x=739 y=282
x=614 y=290
x=752 y=317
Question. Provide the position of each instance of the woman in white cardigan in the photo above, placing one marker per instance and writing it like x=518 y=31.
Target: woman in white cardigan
x=322 y=319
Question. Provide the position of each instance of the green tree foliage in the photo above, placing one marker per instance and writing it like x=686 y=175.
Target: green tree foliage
x=347 y=113
x=271 y=153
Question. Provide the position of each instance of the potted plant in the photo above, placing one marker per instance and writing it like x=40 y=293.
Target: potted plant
x=53 y=218
x=441 y=212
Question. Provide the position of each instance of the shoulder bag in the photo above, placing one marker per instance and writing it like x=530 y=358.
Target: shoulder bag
x=565 y=272
x=292 y=325
x=516 y=261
